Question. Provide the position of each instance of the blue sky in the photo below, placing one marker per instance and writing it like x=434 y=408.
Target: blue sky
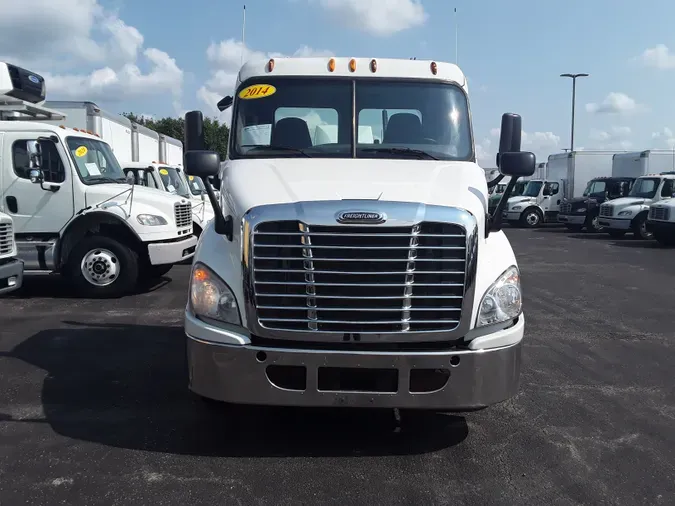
x=153 y=56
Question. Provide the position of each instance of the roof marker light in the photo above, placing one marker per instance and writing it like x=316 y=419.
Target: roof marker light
x=352 y=65
x=434 y=68
x=331 y=65
x=373 y=65
x=270 y=65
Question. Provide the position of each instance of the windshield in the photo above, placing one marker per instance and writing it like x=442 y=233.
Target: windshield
x=532 y=189
x=645 y=187
x=95 y=161
x=173 y=182
x=518 y=189
x=196 y=185
x=313 y=117
x=595 y=189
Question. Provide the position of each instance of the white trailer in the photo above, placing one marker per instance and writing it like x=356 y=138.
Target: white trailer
x=639 y=163
x=170 y=150
x=89 y=117
x=144 y=144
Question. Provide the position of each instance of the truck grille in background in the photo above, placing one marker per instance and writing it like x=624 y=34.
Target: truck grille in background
x=659 y=213
x=565 y=208
x=365 y=279
x=6 y=238
x=606 y=210
x=183 y=214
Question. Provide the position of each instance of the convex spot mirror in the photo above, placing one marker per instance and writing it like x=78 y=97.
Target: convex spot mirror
x=519 y=164
x=202 y=164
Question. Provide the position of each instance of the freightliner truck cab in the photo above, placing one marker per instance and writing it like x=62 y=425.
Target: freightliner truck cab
x=362 y=271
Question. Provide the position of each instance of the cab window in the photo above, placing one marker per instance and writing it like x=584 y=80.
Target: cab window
x=551 y=189
x=668 y=189
x=52 y=165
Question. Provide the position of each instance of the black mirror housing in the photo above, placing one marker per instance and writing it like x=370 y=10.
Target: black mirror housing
x=509 y=135
x=203 y=164
x=225 y=103
x=518 y=164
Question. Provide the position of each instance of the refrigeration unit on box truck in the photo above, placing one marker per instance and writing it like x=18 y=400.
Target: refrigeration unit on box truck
x=89 y=117
x=653 y=184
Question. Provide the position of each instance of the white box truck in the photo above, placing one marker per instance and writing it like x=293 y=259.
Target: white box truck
x=361 y=274
x=656 y=169
x=144 y=144
x=89 y=117
x=170 y=151
x=72 y=209
x=566 y=177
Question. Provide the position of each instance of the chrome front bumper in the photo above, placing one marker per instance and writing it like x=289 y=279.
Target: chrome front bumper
x=11 y=276
x=162 y=253
x=615 y=223
x=248 y=374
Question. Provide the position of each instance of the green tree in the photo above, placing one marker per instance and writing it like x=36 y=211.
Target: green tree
x=216 y=134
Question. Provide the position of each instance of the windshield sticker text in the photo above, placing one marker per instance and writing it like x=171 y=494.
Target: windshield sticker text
x=257 y=91
x=81 y=151
x=164 y=172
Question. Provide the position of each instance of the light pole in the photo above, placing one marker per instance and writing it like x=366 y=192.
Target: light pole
x=574 y=94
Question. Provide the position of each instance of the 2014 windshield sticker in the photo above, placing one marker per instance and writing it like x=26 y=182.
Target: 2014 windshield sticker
x=81 y=151
x=257 y=91
x=164 y=172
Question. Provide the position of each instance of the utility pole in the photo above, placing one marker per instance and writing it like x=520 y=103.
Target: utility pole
x=243 y=36
x=574 y=94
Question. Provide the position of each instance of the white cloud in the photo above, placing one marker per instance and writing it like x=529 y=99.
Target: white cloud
x=667 y=136
x=225 y=59
x=377 y=17
x=658 y=57
x=616 y=138
x=541 y=144
x=85 y=52
x=615 y=103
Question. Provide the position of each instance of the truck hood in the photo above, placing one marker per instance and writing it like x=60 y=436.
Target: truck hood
x=520 y=200
x=251 y=183
x=119 y=193
x=625 y=201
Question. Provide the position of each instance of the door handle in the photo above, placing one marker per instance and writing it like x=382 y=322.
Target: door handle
x=12 y=204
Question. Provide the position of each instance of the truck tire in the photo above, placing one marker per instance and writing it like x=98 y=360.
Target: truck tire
x=616 y=234
x=663 y=239
x=102 y=267
x=592 y=224
x=639 y=227
x=531 y=218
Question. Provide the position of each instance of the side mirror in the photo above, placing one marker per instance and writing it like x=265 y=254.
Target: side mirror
x=225 y=103
x=203 y=164
x=130 y=178
x=35 y=154
x=36 y=176
x=510 y=135
x=194 y=132
x=518 y=164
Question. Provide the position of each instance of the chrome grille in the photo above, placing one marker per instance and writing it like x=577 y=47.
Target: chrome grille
x=659 y=213
x=359 y=279
x=565 y=208
x=183 y=214
x=606 y=210
x=6 y=238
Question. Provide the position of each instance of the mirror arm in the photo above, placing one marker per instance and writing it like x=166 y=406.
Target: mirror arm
x=223 y=226
x=494 y=222
x=494 y=182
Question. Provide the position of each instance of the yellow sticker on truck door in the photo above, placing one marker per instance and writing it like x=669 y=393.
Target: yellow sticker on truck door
x=257 y=91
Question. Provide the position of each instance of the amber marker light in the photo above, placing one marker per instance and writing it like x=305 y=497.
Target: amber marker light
x=352 y=65
x=331 y=65
x=373 y=65
x=270 y=65
x=434 y=68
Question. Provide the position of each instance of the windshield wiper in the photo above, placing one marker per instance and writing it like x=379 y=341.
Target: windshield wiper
x=283 y=148
x=104 y=179
x=402 y=151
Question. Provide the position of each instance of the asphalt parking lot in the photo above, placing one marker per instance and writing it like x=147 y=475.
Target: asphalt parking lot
x=94 y=407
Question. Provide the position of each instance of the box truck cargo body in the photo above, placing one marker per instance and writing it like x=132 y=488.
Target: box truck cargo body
x=170 y=150
x=112 y=128
x=144 y=144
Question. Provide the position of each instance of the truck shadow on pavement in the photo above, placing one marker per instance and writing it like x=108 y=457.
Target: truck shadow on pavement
x=125 y=386
x=57 y=287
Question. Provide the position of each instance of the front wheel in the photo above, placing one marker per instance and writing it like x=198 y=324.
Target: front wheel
x=531 y=218
x=640 y=228
x=102 y=267
x=593 y=225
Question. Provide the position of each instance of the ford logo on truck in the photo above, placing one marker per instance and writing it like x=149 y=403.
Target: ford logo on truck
x=365 y=217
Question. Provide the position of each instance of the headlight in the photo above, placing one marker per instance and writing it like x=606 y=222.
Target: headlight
x=211 y=298
x=516 y=208
x=150 y=220
x=503 y=300
x=581 y=210
x=625 y=213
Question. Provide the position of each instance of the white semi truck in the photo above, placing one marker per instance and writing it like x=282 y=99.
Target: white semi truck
x=73 y=212
x=11 y=268
x=354 y=273
x=656 y=169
